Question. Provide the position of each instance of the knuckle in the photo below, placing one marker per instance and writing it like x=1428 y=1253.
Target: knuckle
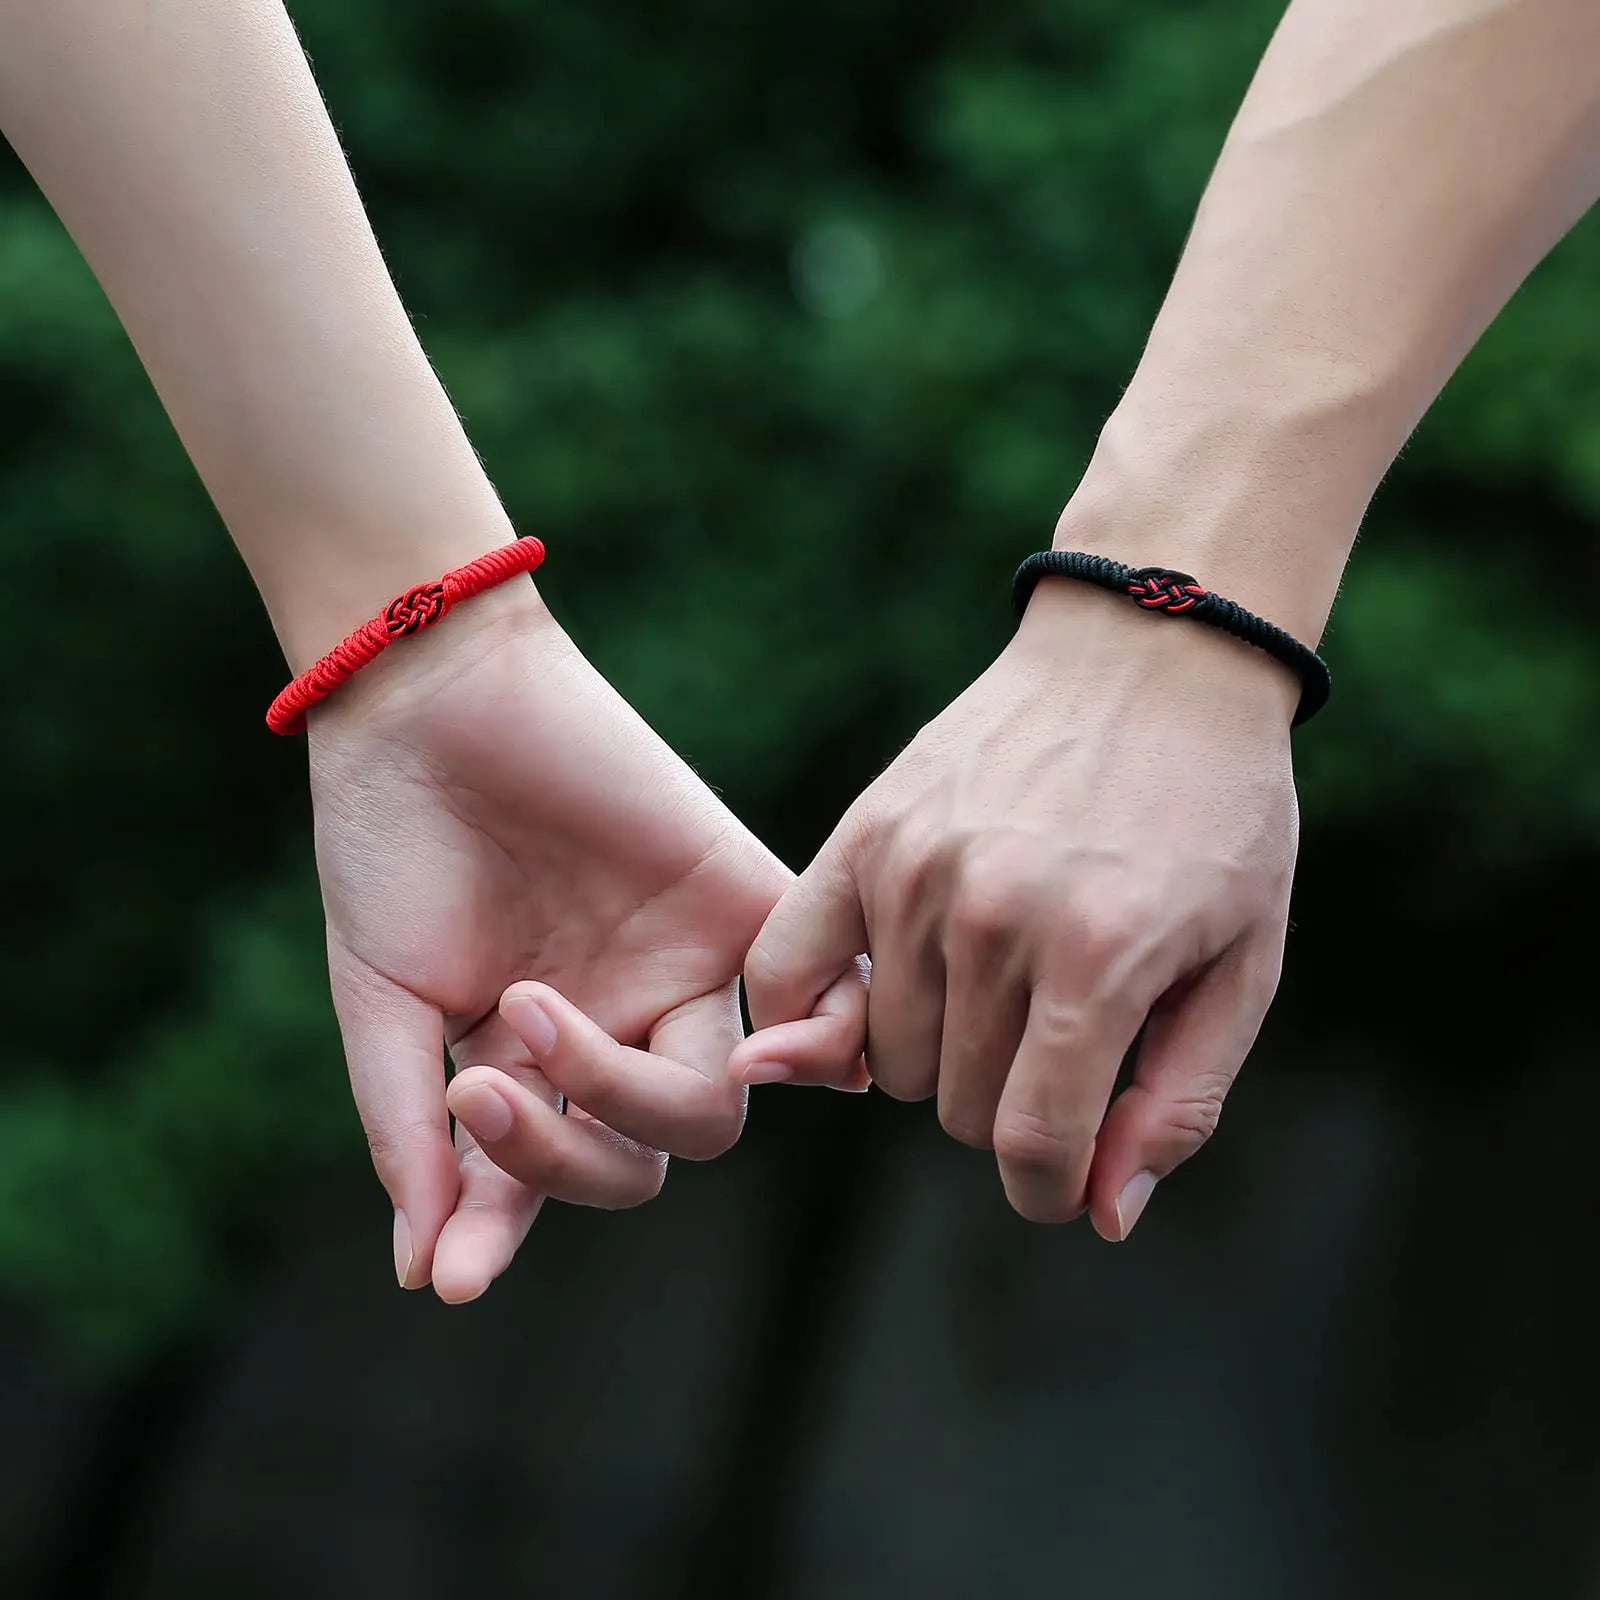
x=1034 y=1204
x=394 y=1147
x=1112 y=925
x=639 y=1190
x=1034 y=1144
x=967 y=1127
x=1063 y=1024
x=553 y=1168
x=713 y=1132
x=1194 y=1115
x=764 y=967
x=900 y=1081
x=916 y=860
x=724 y=1131
x=987 y=910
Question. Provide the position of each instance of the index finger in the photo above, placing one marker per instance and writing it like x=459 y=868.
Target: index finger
x=394 y=1048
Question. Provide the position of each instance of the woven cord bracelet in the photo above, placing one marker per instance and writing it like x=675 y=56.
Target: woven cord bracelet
x=418 y=608
x=1176 y=594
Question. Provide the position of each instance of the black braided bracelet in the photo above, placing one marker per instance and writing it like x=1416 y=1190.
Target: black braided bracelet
x=1178 y=595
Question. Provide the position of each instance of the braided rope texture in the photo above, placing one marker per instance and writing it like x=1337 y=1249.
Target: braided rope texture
x=421 y=606
x=1176 y=594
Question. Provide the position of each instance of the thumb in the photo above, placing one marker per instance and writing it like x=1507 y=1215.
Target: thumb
x=806 y=980
x=1188 y=1058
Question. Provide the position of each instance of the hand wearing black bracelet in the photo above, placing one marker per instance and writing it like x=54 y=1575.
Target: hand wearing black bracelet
x=1176 y=594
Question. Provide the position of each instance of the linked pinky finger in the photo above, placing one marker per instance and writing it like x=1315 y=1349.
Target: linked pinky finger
x=824 y=1049
x=568 y=1157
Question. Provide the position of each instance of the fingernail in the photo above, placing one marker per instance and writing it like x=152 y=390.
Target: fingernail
x=1131 y=1202
x=859 y=1081
x=486 y=1112
x=767 y=1072
x=533 y=1022
x=402 y=1248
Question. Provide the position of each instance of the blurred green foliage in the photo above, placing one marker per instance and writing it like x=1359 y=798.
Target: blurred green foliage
x=789 y=329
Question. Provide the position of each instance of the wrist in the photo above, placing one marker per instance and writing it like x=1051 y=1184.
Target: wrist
x=1130 y=662
x=320 y=589
x=1258 y=507
x=423 y=671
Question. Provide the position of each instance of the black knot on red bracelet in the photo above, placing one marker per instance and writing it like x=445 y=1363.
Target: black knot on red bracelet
x=1176 y=594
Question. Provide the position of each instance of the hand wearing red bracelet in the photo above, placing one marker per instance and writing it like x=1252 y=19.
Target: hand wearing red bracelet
x=514 y=865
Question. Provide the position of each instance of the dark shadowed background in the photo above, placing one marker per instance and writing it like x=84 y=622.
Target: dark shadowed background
x=790 y=330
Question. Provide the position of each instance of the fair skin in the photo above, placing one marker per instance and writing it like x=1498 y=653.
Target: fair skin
x=1096 y=839
x=1098 y=836
x=513 y=865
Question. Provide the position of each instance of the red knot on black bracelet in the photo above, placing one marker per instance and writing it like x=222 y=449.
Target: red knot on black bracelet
x=1162 y=589
x=1171 y=593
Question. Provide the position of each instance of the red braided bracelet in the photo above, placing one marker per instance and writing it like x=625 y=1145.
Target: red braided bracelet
x=408 y=613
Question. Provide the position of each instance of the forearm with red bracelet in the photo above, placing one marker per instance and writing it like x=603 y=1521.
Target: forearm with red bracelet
x=419 y=607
